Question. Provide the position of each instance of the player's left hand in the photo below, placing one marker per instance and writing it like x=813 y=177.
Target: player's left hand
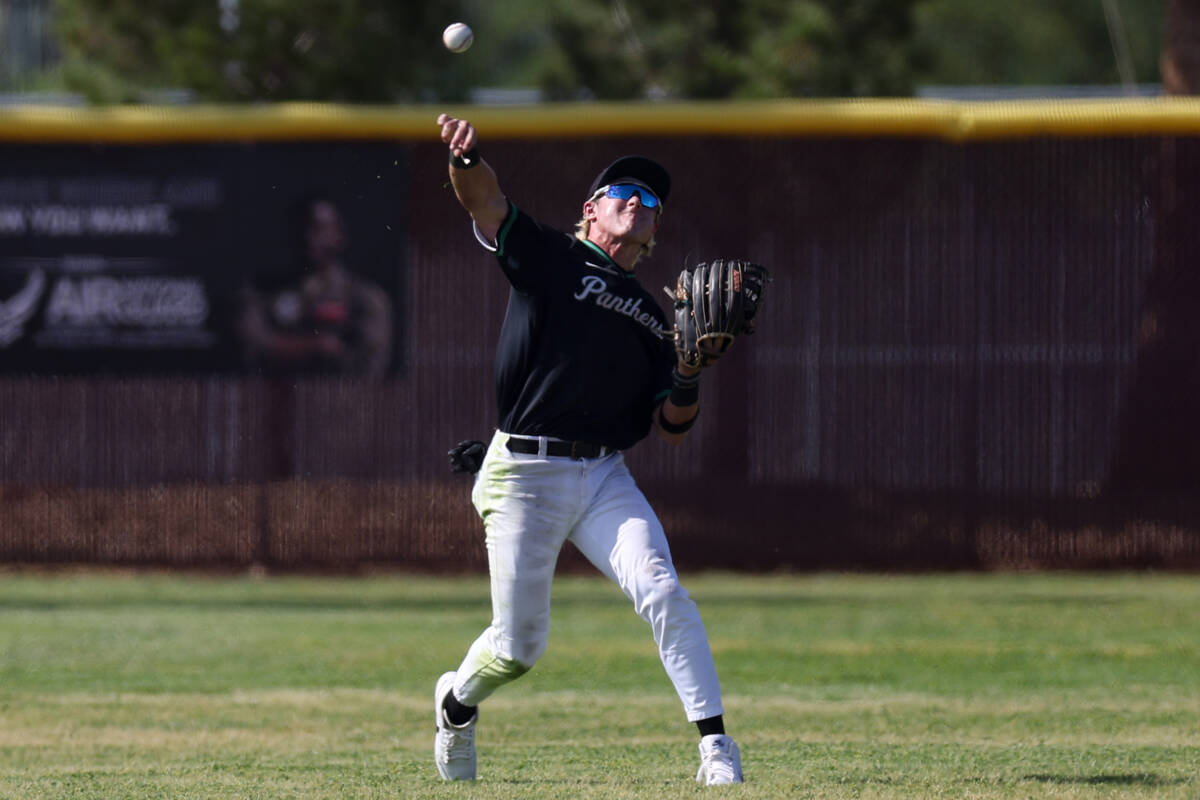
x=467 y=456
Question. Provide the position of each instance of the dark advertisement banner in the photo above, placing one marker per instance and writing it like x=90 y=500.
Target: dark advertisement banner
x=272 y=258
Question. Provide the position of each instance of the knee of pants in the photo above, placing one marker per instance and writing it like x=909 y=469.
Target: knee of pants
x=521 y=639
x=658 y=593
x=525 y=653
x=509 y=669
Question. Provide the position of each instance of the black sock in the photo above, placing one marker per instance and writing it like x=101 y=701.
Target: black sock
x=456 y=712
x=711 y=725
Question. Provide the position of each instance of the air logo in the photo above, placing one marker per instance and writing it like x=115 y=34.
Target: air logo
x=139 y=301
x=16 y=310
x=90 y=310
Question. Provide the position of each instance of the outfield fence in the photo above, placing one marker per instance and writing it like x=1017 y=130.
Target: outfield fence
x=980 y=348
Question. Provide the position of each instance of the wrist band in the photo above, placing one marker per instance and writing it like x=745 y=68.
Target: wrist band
x=685 y=389
x=679 y=379
x=675 y=427
x=466 y=160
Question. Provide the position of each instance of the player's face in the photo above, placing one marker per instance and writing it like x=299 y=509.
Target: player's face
x=626 y=219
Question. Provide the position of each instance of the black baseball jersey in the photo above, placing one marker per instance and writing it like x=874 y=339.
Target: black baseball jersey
x=585 y=352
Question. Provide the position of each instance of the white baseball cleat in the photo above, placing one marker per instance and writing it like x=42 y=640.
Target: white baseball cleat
x=454 y=745
x=720 y=761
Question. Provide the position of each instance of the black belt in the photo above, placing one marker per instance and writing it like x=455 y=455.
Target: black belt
x=576 y=450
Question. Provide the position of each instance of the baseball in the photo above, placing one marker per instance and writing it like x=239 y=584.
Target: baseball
x=458 y=37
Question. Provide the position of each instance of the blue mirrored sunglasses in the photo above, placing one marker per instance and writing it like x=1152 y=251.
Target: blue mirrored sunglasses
x=624 y=191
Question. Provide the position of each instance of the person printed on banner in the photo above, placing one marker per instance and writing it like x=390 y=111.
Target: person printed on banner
x=331 y=321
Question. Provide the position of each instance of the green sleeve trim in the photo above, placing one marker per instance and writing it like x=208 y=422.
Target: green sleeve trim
x=506 y=227
x=600 y=252
x=661 y=396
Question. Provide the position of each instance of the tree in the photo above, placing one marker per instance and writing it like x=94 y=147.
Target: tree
x=1036 y=42
x=385 y=51
x=620 y=49
x=330 y=50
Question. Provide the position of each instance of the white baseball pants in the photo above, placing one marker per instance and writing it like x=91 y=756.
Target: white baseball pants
x=530 y=506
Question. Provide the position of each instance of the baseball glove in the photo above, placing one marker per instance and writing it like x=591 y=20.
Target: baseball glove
x=467 y=456
x=715 y=302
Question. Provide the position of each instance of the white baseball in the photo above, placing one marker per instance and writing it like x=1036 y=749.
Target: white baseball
x=458 y=37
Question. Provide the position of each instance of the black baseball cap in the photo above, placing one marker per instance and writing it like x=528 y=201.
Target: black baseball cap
x=635 y=169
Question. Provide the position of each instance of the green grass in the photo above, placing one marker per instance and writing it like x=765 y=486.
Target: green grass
x=961 y=686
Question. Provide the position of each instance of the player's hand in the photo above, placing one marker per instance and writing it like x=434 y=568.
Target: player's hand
x=711 y=352
x=467 y=456
x=459 y=134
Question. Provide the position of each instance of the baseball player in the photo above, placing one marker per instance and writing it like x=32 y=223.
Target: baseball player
x=585 y=367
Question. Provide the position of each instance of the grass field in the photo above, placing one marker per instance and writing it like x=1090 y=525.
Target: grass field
x=960 y=686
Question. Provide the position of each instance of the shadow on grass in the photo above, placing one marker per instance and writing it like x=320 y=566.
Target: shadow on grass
x=1127 y=779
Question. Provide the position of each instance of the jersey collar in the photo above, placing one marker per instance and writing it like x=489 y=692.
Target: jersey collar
x=628 y=273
